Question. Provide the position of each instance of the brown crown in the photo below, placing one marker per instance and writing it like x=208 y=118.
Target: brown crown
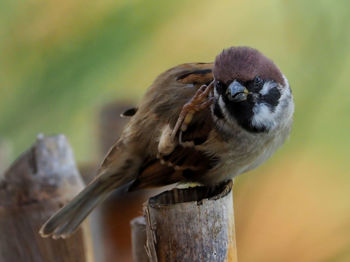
x=244 y=63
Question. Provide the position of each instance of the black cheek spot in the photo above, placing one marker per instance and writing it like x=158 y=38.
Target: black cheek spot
x=272 y=97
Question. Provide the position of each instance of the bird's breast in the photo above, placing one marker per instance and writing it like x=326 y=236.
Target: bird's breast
x=239 y=154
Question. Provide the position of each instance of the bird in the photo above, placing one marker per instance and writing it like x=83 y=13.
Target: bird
x=200 y=123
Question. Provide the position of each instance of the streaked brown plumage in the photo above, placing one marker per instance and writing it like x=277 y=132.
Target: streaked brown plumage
x=213 y=148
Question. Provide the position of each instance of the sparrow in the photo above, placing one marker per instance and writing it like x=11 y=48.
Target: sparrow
x=198 y=122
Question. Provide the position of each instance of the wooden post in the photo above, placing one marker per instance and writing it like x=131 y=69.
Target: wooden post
x=139 y=239
x=194 y=224
x=41 y=181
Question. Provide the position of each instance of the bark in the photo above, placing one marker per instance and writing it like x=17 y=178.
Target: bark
x=139 y=238
x=37 y=184
x=194 y=224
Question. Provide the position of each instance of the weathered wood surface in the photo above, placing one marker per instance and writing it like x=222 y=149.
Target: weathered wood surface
x=139 y=238
x=37 y=184
x=194 y=224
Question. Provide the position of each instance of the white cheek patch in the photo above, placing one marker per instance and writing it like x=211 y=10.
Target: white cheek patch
x=267 y=87
x=263 y=117
x=281 y=115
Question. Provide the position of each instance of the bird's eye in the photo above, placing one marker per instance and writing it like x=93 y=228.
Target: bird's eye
x=219 y=86
x=258 y=81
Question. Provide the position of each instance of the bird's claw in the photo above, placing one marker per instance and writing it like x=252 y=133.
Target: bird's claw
x=198 y=102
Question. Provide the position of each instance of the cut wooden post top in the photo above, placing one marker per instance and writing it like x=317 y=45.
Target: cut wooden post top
x=189 y=224
x=192 y=194
x=46 y=171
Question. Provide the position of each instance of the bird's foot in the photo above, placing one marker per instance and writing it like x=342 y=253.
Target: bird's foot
x=198 y=102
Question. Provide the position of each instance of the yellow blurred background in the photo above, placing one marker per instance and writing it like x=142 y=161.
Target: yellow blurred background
x=62 y=61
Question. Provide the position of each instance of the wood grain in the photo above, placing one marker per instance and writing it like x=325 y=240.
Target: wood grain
x=37 y=184
x=194 y=224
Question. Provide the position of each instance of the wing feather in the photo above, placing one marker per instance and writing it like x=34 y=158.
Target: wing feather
x=185 y=161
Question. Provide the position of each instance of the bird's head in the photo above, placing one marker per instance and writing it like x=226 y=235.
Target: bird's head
x=250 y=90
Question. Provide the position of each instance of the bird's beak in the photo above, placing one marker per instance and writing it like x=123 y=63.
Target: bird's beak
x=236 y=92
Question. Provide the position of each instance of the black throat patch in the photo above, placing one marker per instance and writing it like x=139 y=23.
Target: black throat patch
x=243 y=113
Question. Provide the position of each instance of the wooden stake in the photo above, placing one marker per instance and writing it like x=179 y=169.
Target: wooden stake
x=37 y=184
x=139 y=238
x=194 y=224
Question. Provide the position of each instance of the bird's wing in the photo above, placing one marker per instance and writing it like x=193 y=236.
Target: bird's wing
x=176 y=161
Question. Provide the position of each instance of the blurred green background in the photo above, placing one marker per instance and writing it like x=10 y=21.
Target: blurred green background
x=61 y=61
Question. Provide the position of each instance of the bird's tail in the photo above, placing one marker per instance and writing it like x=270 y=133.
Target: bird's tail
x=67 y=220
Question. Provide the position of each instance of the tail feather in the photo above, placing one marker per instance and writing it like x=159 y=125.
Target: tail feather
x=118 y=171
x=68 y=219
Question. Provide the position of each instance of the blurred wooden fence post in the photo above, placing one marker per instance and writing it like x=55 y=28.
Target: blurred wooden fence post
x=139 y=239
x=33 y=188
x=194 y=224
